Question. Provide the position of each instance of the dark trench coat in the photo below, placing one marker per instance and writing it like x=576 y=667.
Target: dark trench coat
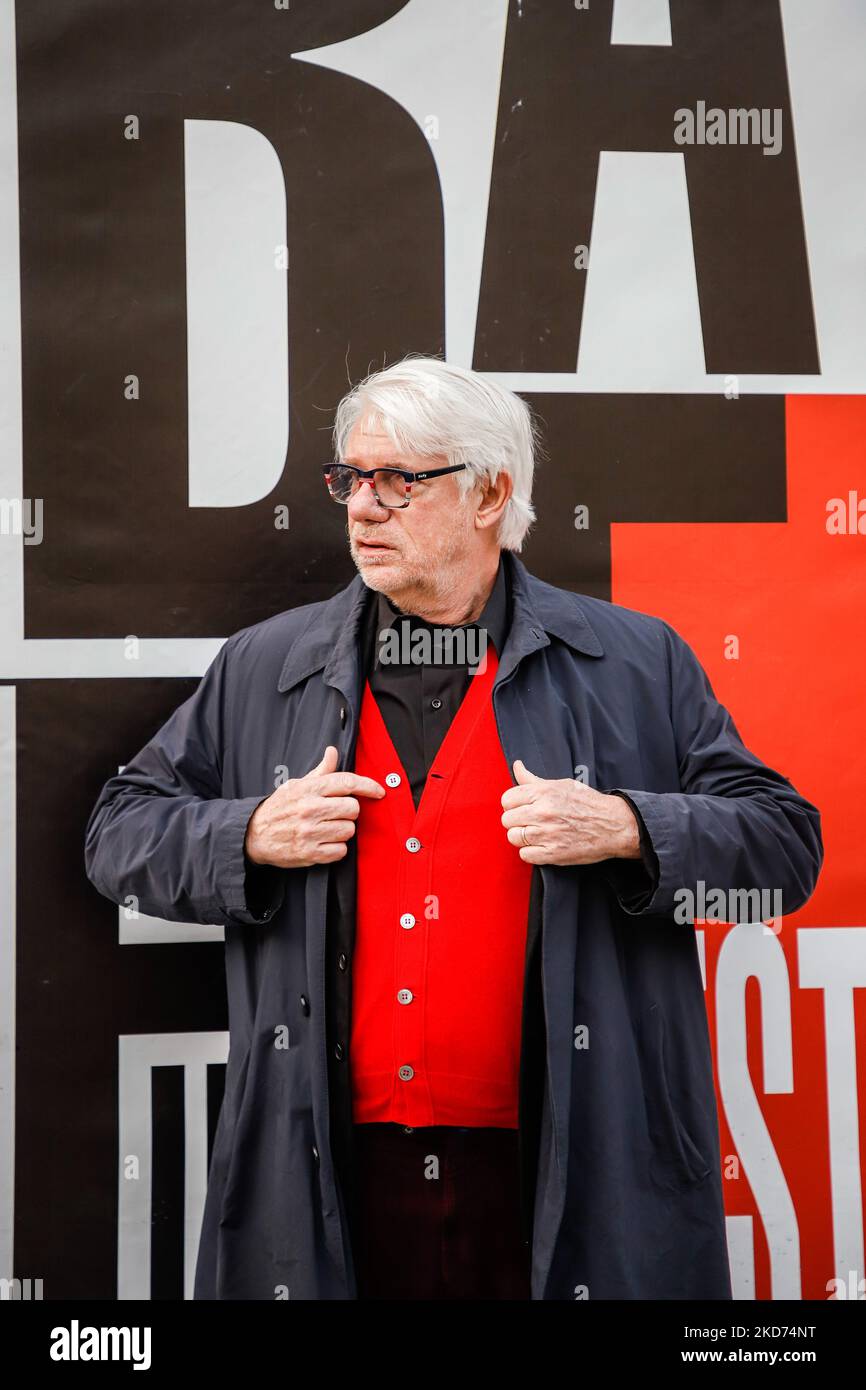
x=628 y=1197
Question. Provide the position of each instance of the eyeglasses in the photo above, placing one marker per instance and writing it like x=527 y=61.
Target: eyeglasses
x=392 y=487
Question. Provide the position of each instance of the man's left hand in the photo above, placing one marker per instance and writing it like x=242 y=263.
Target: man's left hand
x=563 y=821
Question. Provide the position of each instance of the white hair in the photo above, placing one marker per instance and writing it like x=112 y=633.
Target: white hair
x=428 y=407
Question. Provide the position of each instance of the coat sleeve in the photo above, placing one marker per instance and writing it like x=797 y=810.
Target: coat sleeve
x=735 y=824
x=634 y=880
x=161 y=832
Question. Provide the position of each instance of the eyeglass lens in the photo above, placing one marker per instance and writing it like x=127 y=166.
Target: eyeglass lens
x=390 y=487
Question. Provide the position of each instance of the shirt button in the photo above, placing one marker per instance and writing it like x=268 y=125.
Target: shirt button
x=436 y=704
x=413 y=845
x=342 y=961
x=393 y=779
x=338 y=1052
x=406 y=1073
x=405 y=996
x=407 y=920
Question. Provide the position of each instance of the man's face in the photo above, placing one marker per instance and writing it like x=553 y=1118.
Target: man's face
x=420 y=549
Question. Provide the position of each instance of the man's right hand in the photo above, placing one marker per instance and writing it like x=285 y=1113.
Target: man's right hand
x=308 y=820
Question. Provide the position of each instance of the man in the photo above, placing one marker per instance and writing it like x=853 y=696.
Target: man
x=447 y=817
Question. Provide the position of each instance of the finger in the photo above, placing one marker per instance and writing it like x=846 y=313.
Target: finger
x=349 y=783
x=522 y=774
x=330 y=761
x=338 y=830
x=340 y=808
x=519 y=796
x=326 y=854
x=518 y=815
x=515 y=836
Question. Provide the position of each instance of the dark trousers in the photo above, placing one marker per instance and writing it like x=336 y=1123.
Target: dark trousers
x=438 y=1213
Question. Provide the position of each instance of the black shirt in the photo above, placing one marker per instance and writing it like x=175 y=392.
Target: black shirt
x=418 y=700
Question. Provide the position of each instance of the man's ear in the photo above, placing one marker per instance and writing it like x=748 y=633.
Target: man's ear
x=494 y=496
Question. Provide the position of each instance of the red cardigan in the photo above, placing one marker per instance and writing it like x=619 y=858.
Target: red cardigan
x=442 y=903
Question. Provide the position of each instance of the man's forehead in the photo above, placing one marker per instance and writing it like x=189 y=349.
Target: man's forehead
x=372 y=441
x=361 y=437
x=361 y=445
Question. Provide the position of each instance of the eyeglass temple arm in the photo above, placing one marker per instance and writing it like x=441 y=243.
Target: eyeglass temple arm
x=404 y=472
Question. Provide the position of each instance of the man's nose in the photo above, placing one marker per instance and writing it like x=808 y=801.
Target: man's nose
x=363 y=504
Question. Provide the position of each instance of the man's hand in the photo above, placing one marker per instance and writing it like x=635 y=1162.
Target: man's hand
x=566 y=822
x=308 y=820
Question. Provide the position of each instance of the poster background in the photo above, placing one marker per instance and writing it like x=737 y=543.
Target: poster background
x=213 y=215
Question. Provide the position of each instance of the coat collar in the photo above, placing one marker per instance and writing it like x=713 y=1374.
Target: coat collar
x=539 y=611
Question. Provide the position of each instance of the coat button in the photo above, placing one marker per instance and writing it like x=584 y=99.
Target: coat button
x=407 y=1129
x=305 y=1004
x=407 y=920
x=342 y=960
x=405 y=996
x=413 y=845
x=393 y=779
x=436 y=704
x=342 y=716
x=406 y=1073
x=338 y=1052
x=315 y=1154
